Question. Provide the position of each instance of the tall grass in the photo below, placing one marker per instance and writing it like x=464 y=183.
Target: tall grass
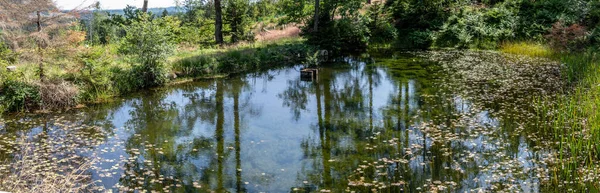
x=570 y=119
x=526 y=48
x=241 y=58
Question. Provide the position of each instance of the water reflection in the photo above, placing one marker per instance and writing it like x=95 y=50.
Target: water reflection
x=390 y=124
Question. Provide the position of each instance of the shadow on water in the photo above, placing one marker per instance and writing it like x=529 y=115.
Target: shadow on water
x=393 y=124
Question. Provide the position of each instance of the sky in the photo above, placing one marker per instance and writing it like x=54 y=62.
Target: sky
x=113 y=4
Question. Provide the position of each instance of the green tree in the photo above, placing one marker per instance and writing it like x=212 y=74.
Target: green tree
x=236 y=15
x=218 y=22
x=150 y=43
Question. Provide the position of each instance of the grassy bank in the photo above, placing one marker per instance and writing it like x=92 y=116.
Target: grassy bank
x=570 y=119
x=97 y=74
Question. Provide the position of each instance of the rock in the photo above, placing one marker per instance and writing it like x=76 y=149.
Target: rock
x=11 y=68
x=323 y=55
x=172 y=76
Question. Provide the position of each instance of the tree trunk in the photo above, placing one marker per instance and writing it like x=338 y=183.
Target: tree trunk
x=39 y=44
x=236 y=126
x=317 y=4
x=234 y=26
x=220 y=135
x=145 y=7
x=218 y=22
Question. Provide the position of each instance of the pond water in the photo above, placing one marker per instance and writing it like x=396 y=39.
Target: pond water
x=389 y=122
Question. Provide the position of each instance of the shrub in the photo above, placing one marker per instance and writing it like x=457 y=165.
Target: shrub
x=340 y=36
x=19 y=96
x=126 y=80
x=571 y=38
x=594 y=36
x=7 y=56
x=477 y=27
x=538 y=16
x=380 y=24
x=150 y=44
x=415 y=40
x=94 y=75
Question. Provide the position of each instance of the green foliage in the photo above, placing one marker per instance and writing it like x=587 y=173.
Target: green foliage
x=414 y=39
x=101 y=29
x=237 y=17
x=198 y=30
x=417 y=21
x=94 y=77
x=538 y=16
x=349 y=33
x=148 y=41
x=7 y=55
x=484 y=24
x=243 y=59
x=340 y=36
x=19 y=96
x=478 y=27
x=380 y=24
x=196 y=65
x=262 y=9
x=296 y=11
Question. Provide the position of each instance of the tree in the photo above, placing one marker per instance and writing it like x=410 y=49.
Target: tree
x=218 y=22
x=236 y=16
x=165 y=13
x=145 y=7
x=18 y=28
x=149 y=42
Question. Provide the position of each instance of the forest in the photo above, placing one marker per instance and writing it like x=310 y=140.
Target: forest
x=497 y=54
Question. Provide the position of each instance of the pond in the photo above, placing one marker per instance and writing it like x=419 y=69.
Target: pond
x=422 y=121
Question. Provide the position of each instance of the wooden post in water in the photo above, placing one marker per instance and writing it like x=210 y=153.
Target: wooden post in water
x=309 y=74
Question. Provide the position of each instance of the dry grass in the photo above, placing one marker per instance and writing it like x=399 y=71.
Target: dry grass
x=276 y=34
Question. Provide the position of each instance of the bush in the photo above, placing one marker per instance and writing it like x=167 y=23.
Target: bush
x=19 y=96
x=477 y=27
x=148 y=41
x=538 y=16
x=126 y=80
x=415 y=40
x=340 y=36
x=380 y=24
x=94 y=77
x=571 y=38
x=7 y=56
